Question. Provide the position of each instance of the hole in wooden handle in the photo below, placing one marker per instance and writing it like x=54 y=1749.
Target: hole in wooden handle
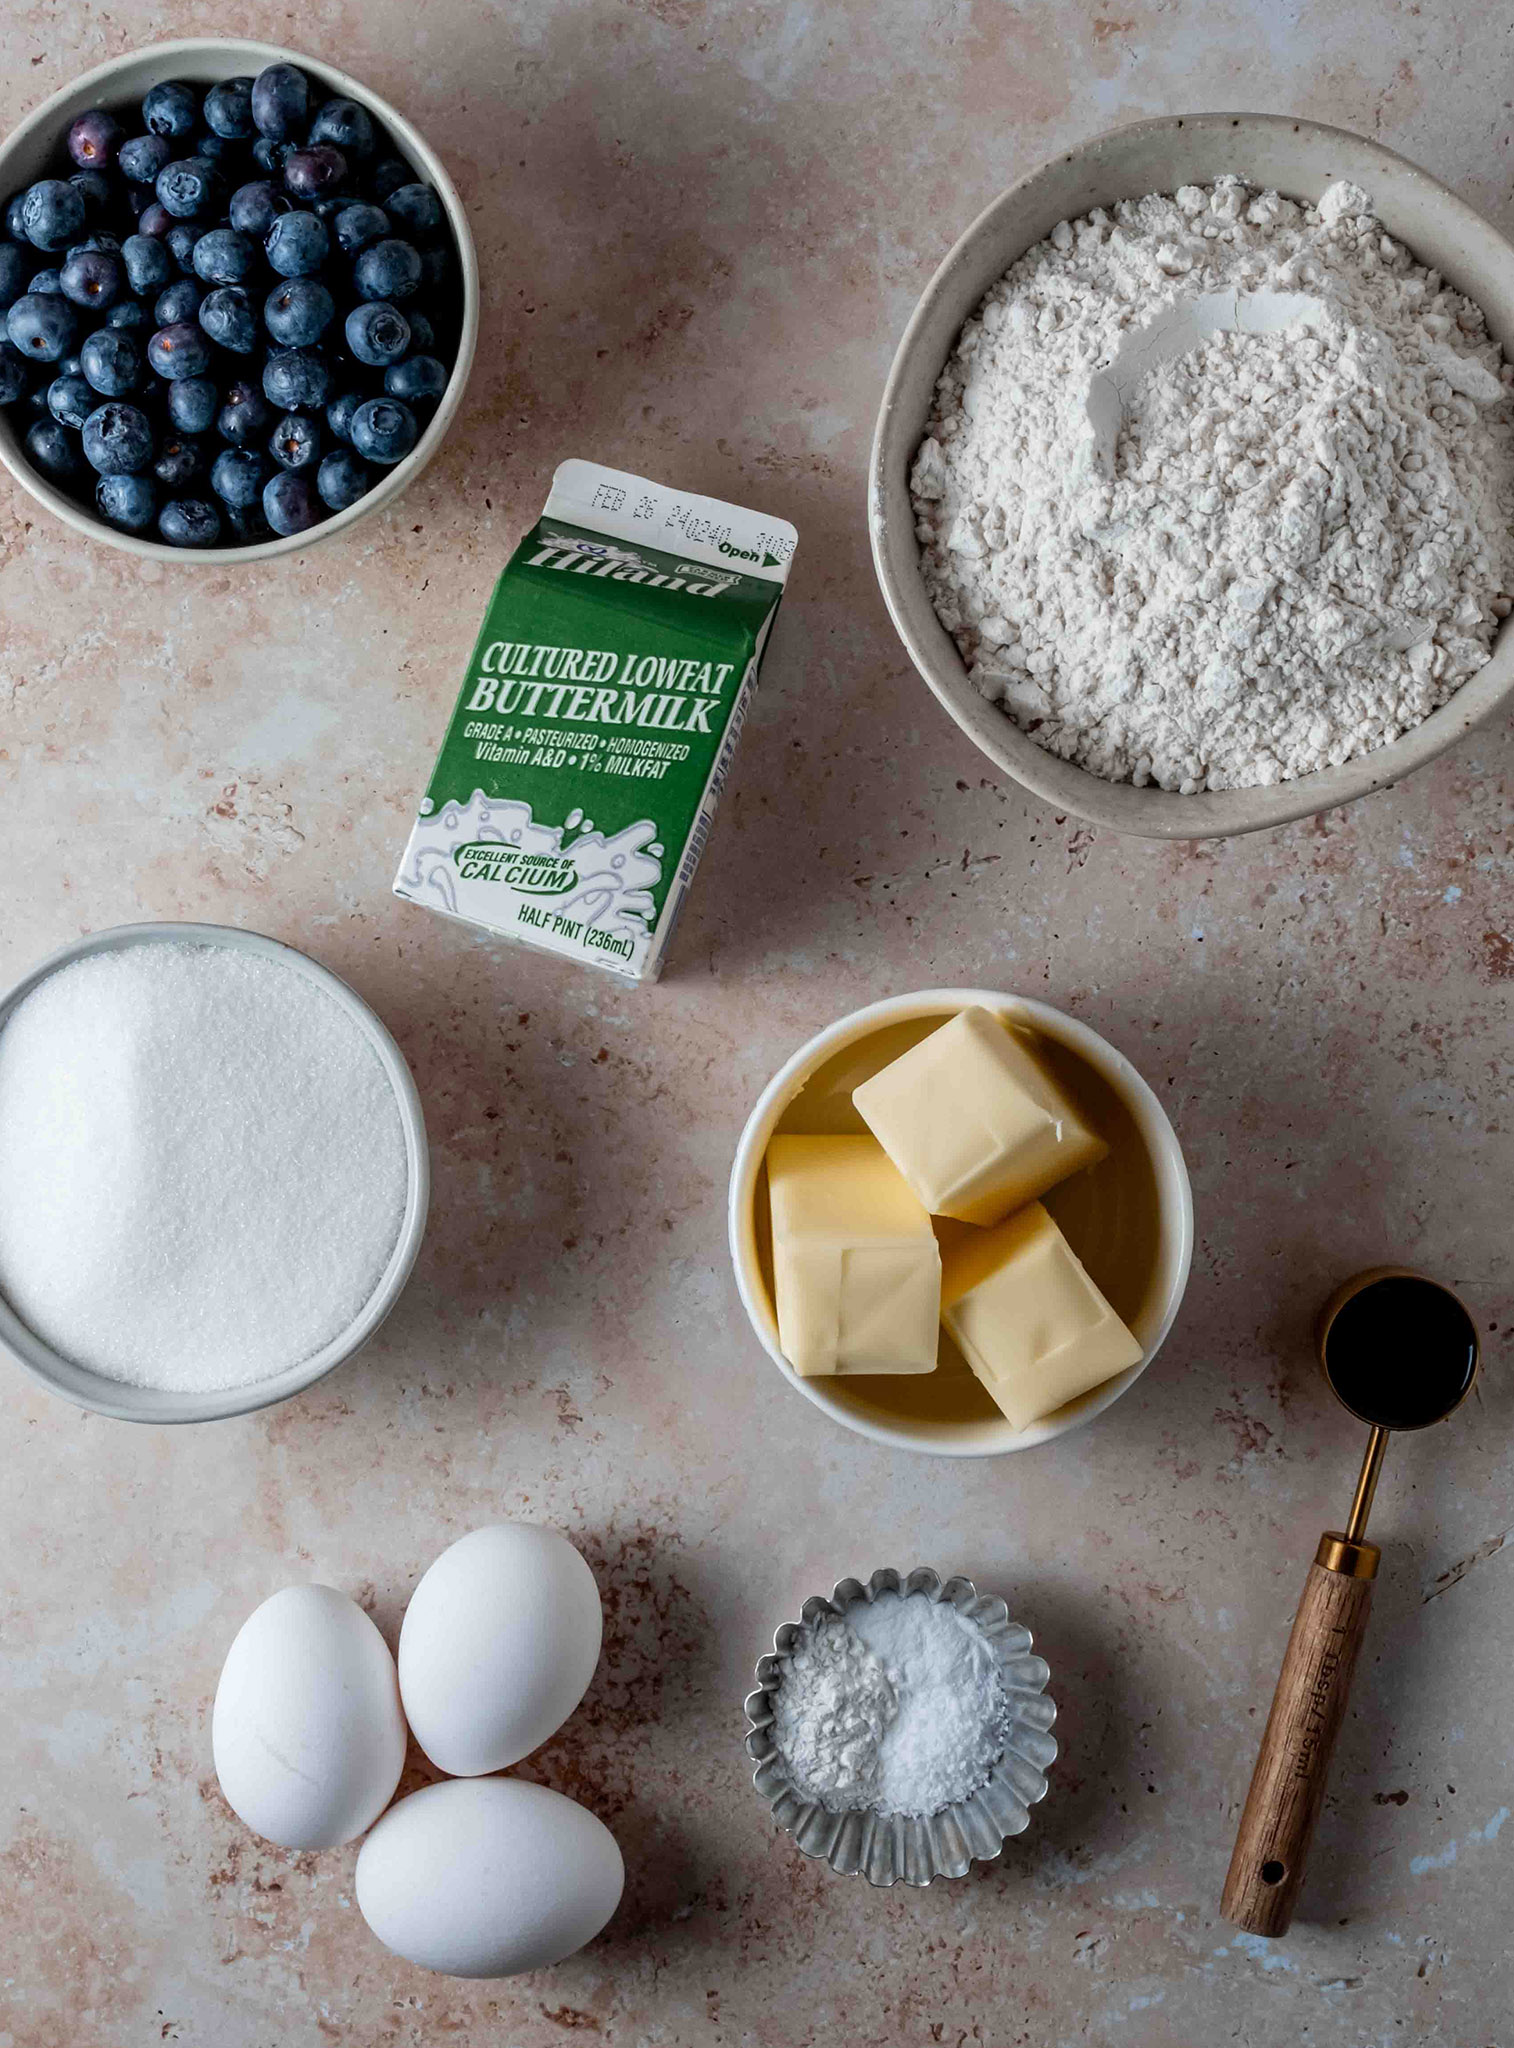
x=1274 y=1872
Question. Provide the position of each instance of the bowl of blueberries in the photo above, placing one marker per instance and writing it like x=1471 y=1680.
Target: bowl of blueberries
x=240 y=302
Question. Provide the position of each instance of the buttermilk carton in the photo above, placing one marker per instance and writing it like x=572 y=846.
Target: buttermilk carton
x=573 y=793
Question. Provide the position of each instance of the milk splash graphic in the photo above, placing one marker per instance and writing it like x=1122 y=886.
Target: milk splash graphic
x=615 y=876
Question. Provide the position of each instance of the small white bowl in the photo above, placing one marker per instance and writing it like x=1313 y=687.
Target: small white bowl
x=1299 y=159
x=1130 y=1218
x=151 y=1404
x=26 y=154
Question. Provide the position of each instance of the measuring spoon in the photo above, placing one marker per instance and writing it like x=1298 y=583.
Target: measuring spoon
x=1399 y=1352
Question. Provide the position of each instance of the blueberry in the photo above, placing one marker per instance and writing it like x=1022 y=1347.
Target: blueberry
x=190 y=188
x=112 y=362
x=52 y=214
x=70 y=400
x=108 y=245
x=227 y=316
x=228 y=158
x=436 y=268
x=290 y=504
x=339 y=414
x=418 y=380
x=180 y=350
x=225 y=256
x=346 y=124
x=181 y=241
x=47 y=283
x=126 y=501
x=390 y=269
x=15 y=272
x=178 y=462
x=228 y=110
x=255 y=207
x=192 y=404
x=15 y=374
x=342 y=479
x=422 y=334
x=138 y=196
x=298 y=312
x=417 y=212
x=312 y=173
x=154 y=220
x=328 y=206
x=171 y=109
x=143 y=157
x=93 y=139
x=93 y=278
x=377 y=333
x=42 y=325
x=296 y=380
x=131 y=317
x=148 y=262
x=53 y=450
x=295 y=442
x=15 y=226
x=358 y=225
x=243 y=419
x=280 y=101
x=297 y=244
x=190 y=523
x=178 y=301
x=269 y=156
x=248 y=522
x=237 y=477
x=384 y=430
x=387 y=175
x=96 y=190
x=118 y=439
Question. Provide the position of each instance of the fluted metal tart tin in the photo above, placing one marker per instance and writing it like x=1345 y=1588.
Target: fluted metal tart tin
x=897 y=1848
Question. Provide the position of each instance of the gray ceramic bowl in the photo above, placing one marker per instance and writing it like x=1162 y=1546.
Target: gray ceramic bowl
x=889 y=1849
x=1298 y=158
x=148 y=1404
x=29 y=150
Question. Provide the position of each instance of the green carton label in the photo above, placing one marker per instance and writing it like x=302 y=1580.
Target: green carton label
x=574 y=789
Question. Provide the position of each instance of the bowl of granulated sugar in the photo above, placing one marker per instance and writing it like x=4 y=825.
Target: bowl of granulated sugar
x=901 y=1728
x=213 y=1172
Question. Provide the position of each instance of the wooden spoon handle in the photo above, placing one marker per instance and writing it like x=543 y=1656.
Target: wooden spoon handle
x=1288 y=1784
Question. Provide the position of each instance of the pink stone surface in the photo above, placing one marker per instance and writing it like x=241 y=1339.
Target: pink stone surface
x=701 y=227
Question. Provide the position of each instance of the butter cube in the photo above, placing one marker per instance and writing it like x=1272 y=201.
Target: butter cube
x=973 y=1122
x=1028 y=1319
x=856 y=1268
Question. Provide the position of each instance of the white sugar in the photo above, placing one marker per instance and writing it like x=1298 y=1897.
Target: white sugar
x=202 y=1165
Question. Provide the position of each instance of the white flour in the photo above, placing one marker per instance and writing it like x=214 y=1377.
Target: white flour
x=1307 y=538
x=898 y=1705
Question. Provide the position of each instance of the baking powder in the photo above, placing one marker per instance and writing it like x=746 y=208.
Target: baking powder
x=897 y=1704
x=1307 y=538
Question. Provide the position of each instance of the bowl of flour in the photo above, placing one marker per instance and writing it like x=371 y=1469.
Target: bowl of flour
x=1192 y=490
x=213 y=1172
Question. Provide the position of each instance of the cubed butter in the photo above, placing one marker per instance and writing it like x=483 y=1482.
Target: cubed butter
x=1028 y=1319
x=973 y=1122
x=855 y=1264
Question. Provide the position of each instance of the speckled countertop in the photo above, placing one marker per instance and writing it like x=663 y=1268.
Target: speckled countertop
x=701 y=226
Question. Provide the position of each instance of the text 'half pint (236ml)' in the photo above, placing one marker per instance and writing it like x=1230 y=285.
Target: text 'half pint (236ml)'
x=596 y=726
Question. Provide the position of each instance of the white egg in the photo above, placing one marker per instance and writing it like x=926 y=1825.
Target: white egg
x=308 y=1733
x=481 y=1877
x=498 y=1645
